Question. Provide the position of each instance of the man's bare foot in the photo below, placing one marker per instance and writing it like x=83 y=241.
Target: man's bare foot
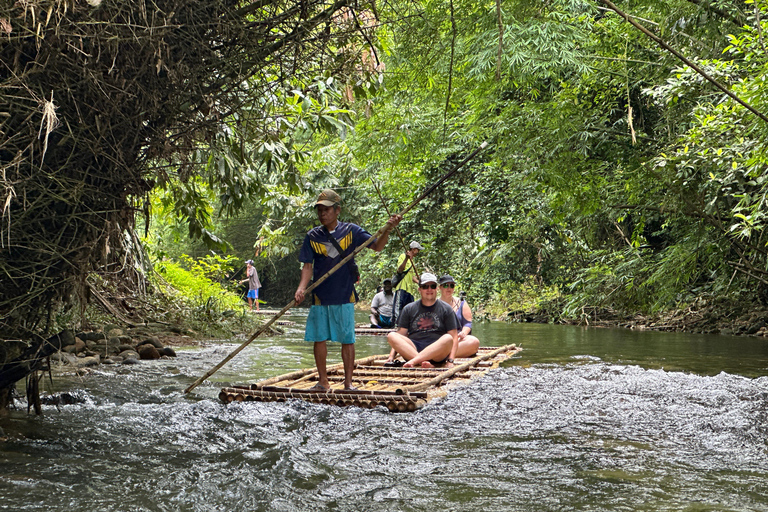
x=427 y=364
x=408 y=365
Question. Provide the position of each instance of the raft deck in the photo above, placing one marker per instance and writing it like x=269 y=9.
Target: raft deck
x=371 y=331
x=396 y=388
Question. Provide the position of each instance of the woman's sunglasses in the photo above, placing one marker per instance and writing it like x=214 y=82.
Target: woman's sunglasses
x=431 y=286
x=449 y=285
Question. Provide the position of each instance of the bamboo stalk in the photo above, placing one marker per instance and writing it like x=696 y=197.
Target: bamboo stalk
x=343 y=262
x=397 y=230
x=450 y=373
x=687 y=62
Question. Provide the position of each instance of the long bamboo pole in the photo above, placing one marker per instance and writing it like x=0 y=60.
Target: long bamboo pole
x=690 y=64
x=343 y=262
x=397 y=230
x=456 y=369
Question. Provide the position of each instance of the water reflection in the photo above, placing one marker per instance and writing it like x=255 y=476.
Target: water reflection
x=697 y=353
x=582 y=419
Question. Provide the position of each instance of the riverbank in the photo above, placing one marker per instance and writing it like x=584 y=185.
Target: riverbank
x=705 y=315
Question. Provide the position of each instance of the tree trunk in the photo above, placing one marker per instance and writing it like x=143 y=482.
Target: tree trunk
x=29 y=362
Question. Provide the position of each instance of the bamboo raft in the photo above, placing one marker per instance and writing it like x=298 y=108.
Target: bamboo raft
x=371 y=331
x=396 y=388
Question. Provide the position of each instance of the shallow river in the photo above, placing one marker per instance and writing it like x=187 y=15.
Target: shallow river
x=582 y=419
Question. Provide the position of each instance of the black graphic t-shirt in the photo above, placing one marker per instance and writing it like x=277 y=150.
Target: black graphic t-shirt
x=427 y=323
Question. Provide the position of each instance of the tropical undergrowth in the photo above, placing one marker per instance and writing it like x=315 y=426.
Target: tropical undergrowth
x=206 y=299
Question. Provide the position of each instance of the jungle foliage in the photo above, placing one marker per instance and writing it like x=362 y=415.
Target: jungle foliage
x=616 y=177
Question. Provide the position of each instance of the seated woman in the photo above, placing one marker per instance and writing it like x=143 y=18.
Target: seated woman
x=468 y=344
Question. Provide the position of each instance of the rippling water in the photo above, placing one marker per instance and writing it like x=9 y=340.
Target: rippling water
x=581 y=420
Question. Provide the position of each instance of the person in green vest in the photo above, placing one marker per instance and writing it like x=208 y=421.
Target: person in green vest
x=408 y=286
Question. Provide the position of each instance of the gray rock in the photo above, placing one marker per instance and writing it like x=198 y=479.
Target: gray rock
x=111 y=327
x=152 y=340
x=167 y=351
x=129 y=354
x=92 y=336
x=65 y=357
x=88 y=361
x=114 y=332
x=130 y=360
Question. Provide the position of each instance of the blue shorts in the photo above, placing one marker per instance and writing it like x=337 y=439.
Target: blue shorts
x=335 y=322
x=253 y=294
x=386 y=321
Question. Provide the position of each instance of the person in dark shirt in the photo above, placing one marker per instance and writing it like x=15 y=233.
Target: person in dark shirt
x=332 y=313
x=381 y=307
x=427 y=330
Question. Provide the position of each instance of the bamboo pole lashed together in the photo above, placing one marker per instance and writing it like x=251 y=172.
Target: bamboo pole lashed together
x=343 y=262
x=456 y=369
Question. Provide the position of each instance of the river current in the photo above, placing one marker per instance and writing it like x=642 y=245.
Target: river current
x=582 y=419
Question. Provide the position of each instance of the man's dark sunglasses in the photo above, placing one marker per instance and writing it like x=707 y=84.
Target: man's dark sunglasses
x=449 y=285
x=431 y=286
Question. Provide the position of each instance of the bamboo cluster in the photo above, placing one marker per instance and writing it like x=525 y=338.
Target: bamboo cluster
x=102 y=100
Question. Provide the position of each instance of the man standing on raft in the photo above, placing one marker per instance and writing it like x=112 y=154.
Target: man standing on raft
x=427 y=330
x=332 y=313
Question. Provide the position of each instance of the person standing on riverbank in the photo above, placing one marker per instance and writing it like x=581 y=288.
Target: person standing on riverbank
x=332 y=313
x=253 y=284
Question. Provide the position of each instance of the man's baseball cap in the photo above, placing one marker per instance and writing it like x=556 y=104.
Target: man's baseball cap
x=426 y=277
x=328 y=198
x=416 y=245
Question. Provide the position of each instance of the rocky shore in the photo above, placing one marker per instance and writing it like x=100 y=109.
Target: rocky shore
x=117 y=345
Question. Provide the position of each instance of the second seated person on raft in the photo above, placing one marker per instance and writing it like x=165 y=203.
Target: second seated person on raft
x=468 y=344
x=427 y=330
x=381 y=307
x=332 y=314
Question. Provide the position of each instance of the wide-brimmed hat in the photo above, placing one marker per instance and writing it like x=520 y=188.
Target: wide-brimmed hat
x=328 y=198
x=446 y=279
x=416 y=245
x=426 y=277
